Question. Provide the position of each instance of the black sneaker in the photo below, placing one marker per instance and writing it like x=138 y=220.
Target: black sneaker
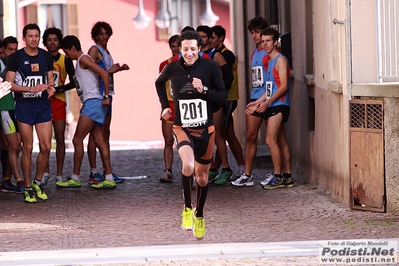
x=288 y=182
x=275 y=182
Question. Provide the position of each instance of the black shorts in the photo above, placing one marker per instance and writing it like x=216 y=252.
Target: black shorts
x=200 y=140
x=228 y=110
x=215 y=107
x=283 y=109
x=257 y=113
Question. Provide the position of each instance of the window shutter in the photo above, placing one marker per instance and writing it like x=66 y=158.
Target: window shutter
x=72 y=15
x=31 y=13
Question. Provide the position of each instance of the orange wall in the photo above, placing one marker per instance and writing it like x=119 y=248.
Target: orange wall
x=136 y=107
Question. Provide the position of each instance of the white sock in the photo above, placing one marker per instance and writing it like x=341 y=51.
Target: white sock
x=93 y=170
x=75 y=177
x=109 y=177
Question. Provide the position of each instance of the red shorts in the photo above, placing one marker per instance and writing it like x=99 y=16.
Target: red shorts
x=58 y=109
x=172 y=118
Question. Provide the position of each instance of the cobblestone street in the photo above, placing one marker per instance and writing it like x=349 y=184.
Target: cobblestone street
x=143 y=212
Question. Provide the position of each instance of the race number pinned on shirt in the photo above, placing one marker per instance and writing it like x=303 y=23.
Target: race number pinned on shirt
x=269 y=89
x=257 y=76
x=193 y=112
x=79 y=91
x=32 y=81
x=56 y=75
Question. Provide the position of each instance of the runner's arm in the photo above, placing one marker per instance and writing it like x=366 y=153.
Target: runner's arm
x=71 y=72
x=160 y=85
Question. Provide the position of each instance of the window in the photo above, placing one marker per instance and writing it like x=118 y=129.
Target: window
x=182 y=13
x=61 y=15
x=388 y=40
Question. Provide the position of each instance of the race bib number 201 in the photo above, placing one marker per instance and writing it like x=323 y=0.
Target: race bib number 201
x=193 y=112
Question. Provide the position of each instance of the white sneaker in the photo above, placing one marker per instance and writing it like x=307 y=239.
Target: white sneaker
x=243 y=181
x=269 y=177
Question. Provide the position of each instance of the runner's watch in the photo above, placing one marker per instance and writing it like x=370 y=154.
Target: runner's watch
x=204 y=90
x=106 y=96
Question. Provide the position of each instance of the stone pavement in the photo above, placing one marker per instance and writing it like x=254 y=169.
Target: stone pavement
x=142 y=216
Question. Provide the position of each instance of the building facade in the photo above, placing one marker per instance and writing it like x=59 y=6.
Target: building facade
x=342 y=130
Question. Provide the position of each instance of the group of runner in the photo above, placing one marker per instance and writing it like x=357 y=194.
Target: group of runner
x=198 y=91
x=38 y=82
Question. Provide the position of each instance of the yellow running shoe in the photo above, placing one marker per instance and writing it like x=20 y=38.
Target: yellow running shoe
x=187 y=219
x=68 y=183
x=199 y=227
x=39 y=191
x=104 y=185
x=29 y=196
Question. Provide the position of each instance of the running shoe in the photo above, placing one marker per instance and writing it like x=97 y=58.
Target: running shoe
x=117 y=179
x=212 y=175
x=95 y=179
x=20 y=187
x=275 y=182
x=29 y=195
x=236 y=176
x=45 y=178
x=199 y=227
x=167 y=177
x=224 y=177
x=8 y=186
x=288 y=182
x=68 y=183
x=187 y=219
x=104 y=185
x=39 y=190
x=243 y=181
x=269 y=177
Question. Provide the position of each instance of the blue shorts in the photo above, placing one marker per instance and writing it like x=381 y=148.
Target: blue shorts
x=94 y=110
x=33 y=111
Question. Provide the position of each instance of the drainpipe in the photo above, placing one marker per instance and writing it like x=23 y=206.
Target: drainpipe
x=347 y=24
x=348 y=49
x=274 y=14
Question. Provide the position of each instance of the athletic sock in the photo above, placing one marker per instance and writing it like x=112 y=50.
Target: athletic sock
x=286 y=175
x=187 y=183
x=75 y=177
x=213 y=170
x=93 y=170
x=202 y=192
x=170 y=170
x=109 y=177
x=36 y=181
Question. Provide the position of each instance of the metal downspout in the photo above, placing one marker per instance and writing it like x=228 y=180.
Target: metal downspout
x=348 y=49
